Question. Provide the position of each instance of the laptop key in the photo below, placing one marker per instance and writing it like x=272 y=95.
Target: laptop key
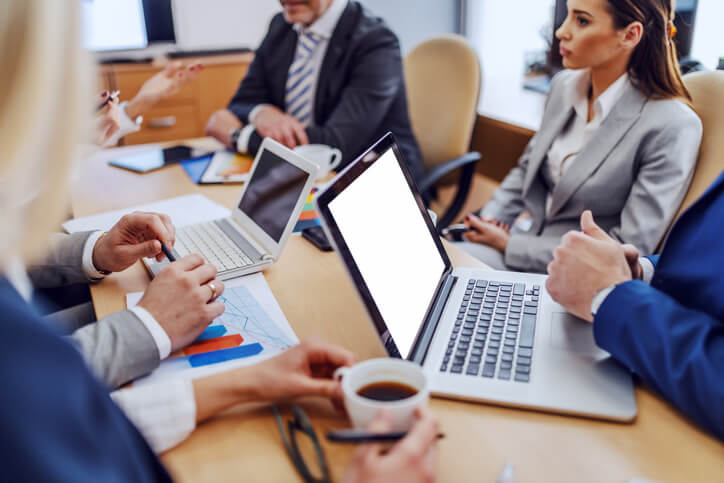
x=504 y=374
x=443 y=368
x=475 y=359
x=524 y=361
x=525 y=352
x=457 y=369
x=506 y=365
x=527 y=331
x=522 y=369
x=518 y=289
x=508 y=350
x=493 y=352
x=522 y=377
x=493 y=344
x=506 y=357
x=496 y=337
x=489 y=370
x=473 y=369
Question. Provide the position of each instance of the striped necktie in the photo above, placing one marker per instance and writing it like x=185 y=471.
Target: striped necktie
x=299 y=80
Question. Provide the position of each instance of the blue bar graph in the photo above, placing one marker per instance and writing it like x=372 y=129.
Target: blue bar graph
x=212 y=332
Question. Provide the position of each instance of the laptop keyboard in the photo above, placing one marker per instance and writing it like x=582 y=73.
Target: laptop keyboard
x=494 y=331
x=213 y=244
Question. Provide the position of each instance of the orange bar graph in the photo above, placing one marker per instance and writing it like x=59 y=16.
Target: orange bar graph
x=308 y=215
x=224 y=342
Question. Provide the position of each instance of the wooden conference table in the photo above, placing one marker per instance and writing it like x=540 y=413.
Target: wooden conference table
x=317 y=298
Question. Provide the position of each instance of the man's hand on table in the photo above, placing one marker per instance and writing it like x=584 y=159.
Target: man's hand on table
x=586 y=262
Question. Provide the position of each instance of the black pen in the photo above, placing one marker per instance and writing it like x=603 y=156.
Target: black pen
x=112 y=97
x=167 y=252
x=361 y=436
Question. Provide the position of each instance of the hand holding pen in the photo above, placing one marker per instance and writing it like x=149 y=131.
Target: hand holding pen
x=108 y=118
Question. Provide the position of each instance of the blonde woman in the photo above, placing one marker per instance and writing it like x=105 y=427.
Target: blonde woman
x=58 y=423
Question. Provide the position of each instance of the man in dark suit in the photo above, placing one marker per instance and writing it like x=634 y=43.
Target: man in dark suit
x=327 y=72
x=661 y=316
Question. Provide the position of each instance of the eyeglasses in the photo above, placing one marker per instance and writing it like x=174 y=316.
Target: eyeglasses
x=301 y=423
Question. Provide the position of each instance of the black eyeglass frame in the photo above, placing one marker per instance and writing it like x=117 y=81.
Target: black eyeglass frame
x=300 y=422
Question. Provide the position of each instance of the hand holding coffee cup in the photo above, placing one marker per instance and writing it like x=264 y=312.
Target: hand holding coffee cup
x=325 y=157
x=397 y=385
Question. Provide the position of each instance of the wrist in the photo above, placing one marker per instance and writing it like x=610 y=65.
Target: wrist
x=137 y=106
x=97 y=257
x=503 y=245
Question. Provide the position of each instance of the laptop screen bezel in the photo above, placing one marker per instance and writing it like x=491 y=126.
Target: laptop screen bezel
x=271 y=246
x=334 y=189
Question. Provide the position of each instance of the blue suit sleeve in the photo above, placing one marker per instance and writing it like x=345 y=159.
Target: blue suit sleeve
x=678 y=351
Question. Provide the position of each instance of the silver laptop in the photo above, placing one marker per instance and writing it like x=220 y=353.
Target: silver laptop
x=480 y=335
x=253 y=236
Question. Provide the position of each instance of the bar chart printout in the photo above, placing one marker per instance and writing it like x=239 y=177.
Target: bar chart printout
x=252 y=328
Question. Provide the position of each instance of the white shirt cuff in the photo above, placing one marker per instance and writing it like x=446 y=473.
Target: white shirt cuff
x=599 y=298
x=255 y=111
x=126 y=125
x=89 y=269
x=160 y=337
x=242 y=144
x=647 y=268
x=164 y=413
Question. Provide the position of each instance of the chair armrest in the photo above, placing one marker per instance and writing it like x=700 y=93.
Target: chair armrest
x=431 y=178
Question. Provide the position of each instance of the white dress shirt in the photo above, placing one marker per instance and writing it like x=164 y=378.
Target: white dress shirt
x=648 y=273
x=126 y=125
x=567 y=145
x=323 y=28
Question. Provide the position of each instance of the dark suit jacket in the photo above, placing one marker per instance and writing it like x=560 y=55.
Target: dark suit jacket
x=360 y=93
x=57 y=423
x=671 y=332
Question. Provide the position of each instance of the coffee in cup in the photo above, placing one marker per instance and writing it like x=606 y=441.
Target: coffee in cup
x=398 y=385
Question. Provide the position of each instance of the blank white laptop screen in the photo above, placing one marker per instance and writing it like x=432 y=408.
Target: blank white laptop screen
x=272 y=193
x=391 y=245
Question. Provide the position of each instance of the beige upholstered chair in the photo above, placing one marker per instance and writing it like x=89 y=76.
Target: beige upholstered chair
x=442 y=76
x=707 y=93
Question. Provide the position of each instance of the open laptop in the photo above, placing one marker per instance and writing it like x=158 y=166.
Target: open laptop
x=253 y=236
x=481 y=335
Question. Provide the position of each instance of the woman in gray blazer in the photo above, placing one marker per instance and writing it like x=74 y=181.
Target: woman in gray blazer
x=616 y=138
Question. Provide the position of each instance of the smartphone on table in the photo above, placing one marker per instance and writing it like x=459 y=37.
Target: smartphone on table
x=148 y=160
x=315 y=235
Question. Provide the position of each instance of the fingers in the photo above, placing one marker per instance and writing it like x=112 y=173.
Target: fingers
x=153 y=224
x=321 y=352
x=287 y=135
x=590 y=228
x=381 y=424
x=189 y=262
x=172 y=68
x=203 y=273
x=216 y=288
x=300 y=133
x=421 y=437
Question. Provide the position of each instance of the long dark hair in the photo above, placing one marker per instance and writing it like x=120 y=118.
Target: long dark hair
x=654 y=66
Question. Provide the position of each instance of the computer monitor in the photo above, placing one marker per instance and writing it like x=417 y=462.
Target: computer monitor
x=113 y=25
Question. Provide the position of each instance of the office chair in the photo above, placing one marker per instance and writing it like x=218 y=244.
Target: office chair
x=707 y=93
x=442 y=76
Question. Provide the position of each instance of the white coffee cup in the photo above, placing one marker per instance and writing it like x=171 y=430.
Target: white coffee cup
x=362 y=410
x=325 y=157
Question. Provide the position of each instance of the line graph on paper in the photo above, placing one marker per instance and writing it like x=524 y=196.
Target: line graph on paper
x=244 y=315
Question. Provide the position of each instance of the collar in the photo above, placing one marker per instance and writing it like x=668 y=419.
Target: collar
x=579 y=85
x=325 y=25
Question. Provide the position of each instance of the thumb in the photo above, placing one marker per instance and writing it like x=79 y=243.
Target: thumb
x=149 y=249
x=381 y=424
x=321 y=387
x=590 y=228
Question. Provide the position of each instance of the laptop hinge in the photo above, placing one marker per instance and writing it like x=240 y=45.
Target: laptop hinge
x=424 y=339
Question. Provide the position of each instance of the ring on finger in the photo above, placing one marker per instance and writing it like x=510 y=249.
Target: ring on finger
x=213 y=290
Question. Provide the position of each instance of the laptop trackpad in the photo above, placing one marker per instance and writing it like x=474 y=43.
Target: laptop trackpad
x=572 y=334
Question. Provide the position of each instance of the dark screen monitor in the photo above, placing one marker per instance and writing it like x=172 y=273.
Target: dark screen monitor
x=684 y=21
x=159 y=21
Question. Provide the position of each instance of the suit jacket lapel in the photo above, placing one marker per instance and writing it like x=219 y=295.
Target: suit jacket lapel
x=624 y=114
x=336 y=48
x=543 y=145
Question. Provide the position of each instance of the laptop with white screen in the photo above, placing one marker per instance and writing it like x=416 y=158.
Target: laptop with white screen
x=253 y=236
x=481 y=335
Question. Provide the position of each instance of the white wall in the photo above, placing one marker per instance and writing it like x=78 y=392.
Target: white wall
x=204 y=24
x=416 y=20
x=708 y=42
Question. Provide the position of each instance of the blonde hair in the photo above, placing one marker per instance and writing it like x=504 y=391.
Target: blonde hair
x=44 y=96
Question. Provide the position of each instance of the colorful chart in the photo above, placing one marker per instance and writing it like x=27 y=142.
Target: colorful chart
x=243 y=330
x=309 y=216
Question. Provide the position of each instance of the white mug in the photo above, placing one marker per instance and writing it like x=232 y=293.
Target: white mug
x=325 y=157
x=362 y=410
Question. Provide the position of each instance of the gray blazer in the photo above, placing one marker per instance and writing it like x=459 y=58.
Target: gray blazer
x=118 y=348
x=633 y=175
